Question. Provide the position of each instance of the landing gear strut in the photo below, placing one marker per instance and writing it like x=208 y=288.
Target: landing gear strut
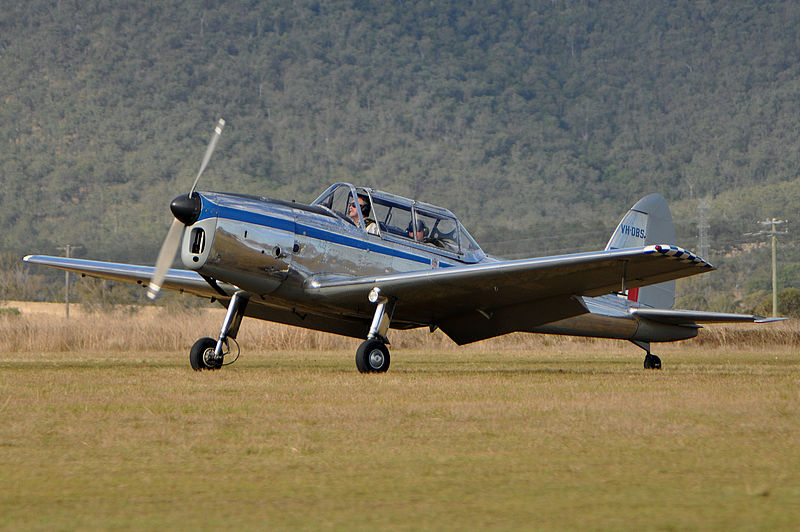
x=207 y=353
x=651 y=361
x=372 y=356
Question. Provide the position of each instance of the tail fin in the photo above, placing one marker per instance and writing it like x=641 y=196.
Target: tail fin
x=648 y=222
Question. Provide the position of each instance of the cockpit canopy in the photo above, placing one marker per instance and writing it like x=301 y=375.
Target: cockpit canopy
x=399 y=219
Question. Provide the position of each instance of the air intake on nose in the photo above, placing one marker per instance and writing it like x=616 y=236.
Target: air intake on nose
x=198 y=240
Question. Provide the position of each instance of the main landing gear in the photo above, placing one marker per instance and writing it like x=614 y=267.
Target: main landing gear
x=207 y=353
x=372 y=356
x=651 y=361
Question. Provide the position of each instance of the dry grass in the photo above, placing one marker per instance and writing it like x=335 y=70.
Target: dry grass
x=43 y=327
x=527 y=432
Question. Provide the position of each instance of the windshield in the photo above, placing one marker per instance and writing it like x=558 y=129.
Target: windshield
x=339 y=199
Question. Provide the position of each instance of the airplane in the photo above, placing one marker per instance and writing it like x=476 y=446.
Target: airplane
x=357 y=261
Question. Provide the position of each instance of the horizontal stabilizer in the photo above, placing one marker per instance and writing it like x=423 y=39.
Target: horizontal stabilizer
x=692 y=317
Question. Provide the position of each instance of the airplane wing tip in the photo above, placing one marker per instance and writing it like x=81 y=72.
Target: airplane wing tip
x=681 y=254
x=762 y=319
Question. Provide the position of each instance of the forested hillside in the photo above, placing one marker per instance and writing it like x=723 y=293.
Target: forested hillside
x=539 y=123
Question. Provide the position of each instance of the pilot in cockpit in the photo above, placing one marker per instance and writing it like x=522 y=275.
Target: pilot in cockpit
x=363 y=203
x=420 y=234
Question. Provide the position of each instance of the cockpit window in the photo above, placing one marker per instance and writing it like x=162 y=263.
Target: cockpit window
x=417 y=224
x=468 y=244
x=391 y=217
x=438 y=230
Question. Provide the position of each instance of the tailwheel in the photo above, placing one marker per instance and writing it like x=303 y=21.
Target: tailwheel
x=202 y=355
x=652 y=361
x=372 y=356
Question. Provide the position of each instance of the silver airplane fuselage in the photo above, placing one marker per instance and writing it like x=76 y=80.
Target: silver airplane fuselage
x=274 y=250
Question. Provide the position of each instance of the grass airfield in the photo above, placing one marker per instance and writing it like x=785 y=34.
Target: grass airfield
x=564 y=436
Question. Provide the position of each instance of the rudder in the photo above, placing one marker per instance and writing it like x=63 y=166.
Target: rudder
x=648 y=222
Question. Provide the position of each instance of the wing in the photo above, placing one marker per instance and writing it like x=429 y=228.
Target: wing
x=178 y=280
x=187 y=281
x=530 y=291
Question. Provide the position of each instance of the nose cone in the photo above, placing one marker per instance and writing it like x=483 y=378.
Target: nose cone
x=186 y=208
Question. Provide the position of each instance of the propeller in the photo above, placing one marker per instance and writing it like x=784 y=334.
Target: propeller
x=186 y=209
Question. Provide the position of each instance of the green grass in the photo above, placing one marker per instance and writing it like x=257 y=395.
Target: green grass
x=573 y=437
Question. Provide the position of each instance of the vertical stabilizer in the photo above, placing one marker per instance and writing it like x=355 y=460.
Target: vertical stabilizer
x=648 y=222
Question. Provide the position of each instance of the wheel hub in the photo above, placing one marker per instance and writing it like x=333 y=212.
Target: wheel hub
x=211 y=360
x=376 y=358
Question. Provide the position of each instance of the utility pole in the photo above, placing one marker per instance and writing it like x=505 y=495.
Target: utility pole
x=66 y=249
x=773 y=233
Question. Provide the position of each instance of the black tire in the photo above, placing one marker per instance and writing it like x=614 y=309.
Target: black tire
x=372 y=356
x=652 y=362
x=196 y=355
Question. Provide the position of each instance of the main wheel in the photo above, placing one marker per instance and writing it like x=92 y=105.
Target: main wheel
x=372 y=356
x=201 y=355
x=652 y=362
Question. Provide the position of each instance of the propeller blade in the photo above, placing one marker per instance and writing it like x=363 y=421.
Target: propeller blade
x=209 y=151
x=165 y=257
x=173 y=241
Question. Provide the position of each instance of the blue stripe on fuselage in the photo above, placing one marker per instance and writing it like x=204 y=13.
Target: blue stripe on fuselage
x=283 y=224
